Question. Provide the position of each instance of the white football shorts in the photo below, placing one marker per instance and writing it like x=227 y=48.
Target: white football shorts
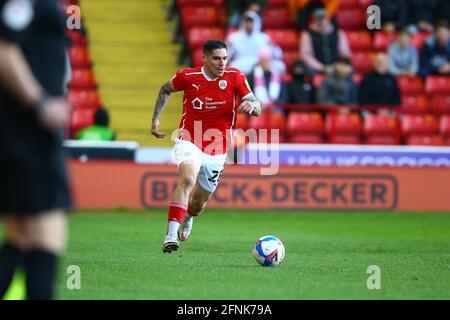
x=209 y=167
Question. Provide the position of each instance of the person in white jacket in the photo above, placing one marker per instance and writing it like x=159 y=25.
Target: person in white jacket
x=245 y=44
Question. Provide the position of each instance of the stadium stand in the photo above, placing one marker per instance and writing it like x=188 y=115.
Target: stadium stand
x=122 y=59
x=130 y=58
x=305 y=127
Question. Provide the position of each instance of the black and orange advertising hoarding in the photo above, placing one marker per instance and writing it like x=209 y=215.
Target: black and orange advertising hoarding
x=113 y=184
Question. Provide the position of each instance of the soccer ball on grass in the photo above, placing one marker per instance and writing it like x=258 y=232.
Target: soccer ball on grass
x=268 y=251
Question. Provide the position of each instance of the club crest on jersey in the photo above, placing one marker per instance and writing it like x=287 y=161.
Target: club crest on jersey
x=223 y=84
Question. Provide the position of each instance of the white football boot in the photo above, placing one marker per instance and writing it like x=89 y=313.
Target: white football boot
x=170 y=243
x=185 y=228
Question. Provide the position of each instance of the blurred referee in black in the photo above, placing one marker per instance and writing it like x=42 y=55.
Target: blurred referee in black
x=33 y=183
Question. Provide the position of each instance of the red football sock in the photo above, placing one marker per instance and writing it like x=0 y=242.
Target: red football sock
x=177 y=211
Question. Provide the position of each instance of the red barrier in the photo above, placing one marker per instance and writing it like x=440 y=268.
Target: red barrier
x=108 y=185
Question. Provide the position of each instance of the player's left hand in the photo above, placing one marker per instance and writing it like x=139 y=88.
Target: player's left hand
x=155 y=129
x=246 y=106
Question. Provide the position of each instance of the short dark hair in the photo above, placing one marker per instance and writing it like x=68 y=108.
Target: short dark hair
x=211 y=45
x=101 y=117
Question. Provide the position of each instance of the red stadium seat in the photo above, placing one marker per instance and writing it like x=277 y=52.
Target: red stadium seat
x=197 y=58
x=362 y=61
x=419 y=38
x=277 y=120
x=199 y=3
x=351 y=19
x=359 y=40
x=317 y=79
x=242 y=121
x=276 y=18
x=425 y=140
x=382 y=140
x=349 y=4
x=419 y=124
x=261 y=122
x=414 y=103
x=344 y=128
x=381 y=129
x=445 y=128
x=286 y=39
x=83 y=78
x=345 y=139
x=197 y=36
x=79 y=56
x=440 y=103
x=307 y=138
x=301 y=122
x=305 y=127
x=192 y=16
x=277 y=3
x=76 y=38
x=437 y=84
x=268 y=120
x=410 y=85
x=84 y=99
x=382 y=40
x=80 y=119
x=357 y=78
x=365 y=3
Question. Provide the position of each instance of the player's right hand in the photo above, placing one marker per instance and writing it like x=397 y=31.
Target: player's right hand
x=54 y=114
x=155 y=130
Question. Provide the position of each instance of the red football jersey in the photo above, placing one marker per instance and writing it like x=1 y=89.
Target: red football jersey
x=209 y=106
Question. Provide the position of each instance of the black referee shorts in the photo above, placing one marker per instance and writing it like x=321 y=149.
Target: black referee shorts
x=33 y=174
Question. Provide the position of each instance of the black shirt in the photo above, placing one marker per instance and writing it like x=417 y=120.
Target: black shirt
x=38 y=28
x=379 y=89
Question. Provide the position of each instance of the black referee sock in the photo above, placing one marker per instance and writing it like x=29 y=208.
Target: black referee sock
x=10 y=258
x=40 y=267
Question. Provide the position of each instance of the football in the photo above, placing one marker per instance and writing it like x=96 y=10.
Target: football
x=268 y=251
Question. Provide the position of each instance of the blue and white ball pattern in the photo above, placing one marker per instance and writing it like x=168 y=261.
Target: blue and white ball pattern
x=268 y=251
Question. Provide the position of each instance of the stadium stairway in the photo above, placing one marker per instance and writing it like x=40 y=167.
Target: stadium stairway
x=132 y=54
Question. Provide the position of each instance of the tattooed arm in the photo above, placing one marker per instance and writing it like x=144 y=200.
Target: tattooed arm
x=163 y=96
x=250 y=105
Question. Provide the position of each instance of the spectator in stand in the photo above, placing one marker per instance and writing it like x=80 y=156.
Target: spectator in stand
x=339 y=88
x=301 y=10
x=323 y=44
x=403 y=56
x=300 y=89
x=100 y=131
x=266 y=79
x=393 y=14
x=435 y=58
x=420 y=14
x=236 y=8
x=379 y=87
x=245 y=44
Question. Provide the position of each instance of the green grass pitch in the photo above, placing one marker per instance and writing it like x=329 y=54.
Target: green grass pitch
x=327 y=256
